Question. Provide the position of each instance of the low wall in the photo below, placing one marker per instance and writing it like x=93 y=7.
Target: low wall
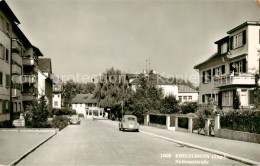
x=41 y=130
x=238 y=135
x=181 y=129
x=158 y=125
x=4 y=117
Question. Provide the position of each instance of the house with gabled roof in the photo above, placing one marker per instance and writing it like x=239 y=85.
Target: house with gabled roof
x=87 y=105
x=230 y=71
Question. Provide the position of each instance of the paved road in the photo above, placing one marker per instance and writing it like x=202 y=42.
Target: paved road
x=101 y=143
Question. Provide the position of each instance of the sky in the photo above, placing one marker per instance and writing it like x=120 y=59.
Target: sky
x=86 y=37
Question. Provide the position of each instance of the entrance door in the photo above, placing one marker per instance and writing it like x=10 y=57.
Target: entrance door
x=243 y=97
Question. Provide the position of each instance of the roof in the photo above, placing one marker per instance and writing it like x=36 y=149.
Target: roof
x=22 y=38
x=155 y=79
x=207 y=60
x=9 y=13
x=257 y=23
x=186 y=89
x=37 y=51
x=84 y=98
x=44 y=65
x=224 y=39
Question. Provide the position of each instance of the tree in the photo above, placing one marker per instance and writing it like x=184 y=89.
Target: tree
x=37 y=113
x=111 y=90
x=72 y=88
x=170 y=105
x=146 y=98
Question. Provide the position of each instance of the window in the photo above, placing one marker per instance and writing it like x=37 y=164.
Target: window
x=184 y=98
x=2 y=51
x=190 y=98
x=207 y=76
x=238 y=67
x=1 y=78
x=7 y=55
x=237 y=40
x=251 y=97
x=203 y=98
x=56 y=103
x=180 y=98
x=227 y=98
x=224 y=48
x=7 y=81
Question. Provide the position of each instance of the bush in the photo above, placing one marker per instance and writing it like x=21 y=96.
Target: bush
x=60 y=122
x=170 y=105
x=189 y=107
x=36 y=114
x=183 y=122
x=63 y=111
x=241 y=120
x=158 y=119
x=6 y=124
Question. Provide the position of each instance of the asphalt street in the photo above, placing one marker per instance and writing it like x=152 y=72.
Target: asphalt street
x=101 y=143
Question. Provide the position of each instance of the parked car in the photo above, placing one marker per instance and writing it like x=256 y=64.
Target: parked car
x=129 y=122
x=74 y=119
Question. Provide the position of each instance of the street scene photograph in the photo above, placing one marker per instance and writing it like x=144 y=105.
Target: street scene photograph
x=129 y=82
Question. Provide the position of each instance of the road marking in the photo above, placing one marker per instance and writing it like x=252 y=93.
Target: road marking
x=227 y=155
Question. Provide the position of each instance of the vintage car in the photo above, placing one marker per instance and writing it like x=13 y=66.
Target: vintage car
x=74 y=119
x=129 y=122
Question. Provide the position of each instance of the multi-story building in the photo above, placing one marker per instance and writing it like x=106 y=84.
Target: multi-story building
x=230 y=71
x=45 y=69
x=7 y=18
x=57 y=100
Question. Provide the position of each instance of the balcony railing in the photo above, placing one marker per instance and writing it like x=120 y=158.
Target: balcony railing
x=16 y=45
x=234 y=79
x=17 y=58
x=28 y=61
x=16 y=93
x=29 y=79
x=16 y=69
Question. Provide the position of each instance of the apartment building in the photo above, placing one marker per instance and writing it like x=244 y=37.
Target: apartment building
x=7 y=18
x=45 y=69
x=231 y=69
x=57 y=100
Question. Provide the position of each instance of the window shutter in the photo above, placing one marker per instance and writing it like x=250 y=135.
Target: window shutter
x=7 y=55
x=203 y=77
x=223 y=69
x=1 y=78
x=244 y=65
x=244 y=37
x=203 y=98
x=214 y=71
x=219 y=49
x=220 y=100
x=3 y=52
x=209 y=75
x=231 y=42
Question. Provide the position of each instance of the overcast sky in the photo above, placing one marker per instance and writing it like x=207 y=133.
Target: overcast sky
x=89 y=36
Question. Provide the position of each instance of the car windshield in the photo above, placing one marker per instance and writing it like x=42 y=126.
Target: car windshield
x=131 y=118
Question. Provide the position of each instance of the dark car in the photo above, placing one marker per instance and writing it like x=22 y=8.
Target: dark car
x=129 y=122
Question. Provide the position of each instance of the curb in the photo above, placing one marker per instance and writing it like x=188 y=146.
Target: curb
x=30 y=151
x=227 y=155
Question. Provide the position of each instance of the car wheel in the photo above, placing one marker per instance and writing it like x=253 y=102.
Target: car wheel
x=137 y=130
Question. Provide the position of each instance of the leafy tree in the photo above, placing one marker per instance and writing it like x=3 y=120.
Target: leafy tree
x=170 y=105
x=72 y=88
x=36 y=114
x=111 y=90
x=146 y=98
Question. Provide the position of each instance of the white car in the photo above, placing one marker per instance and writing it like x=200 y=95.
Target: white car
x=129 y=122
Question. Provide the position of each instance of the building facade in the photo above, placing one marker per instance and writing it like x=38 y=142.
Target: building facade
x=230 y=71
x=86 y=104
x=187 y=94
x=57 y=100
x=7 y=18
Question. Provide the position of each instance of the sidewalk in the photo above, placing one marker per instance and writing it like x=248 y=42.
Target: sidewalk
x=238 y=148
x=14 y=143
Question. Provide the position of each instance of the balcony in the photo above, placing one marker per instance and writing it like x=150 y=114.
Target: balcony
x=28 y=61
x=231 y=79
x=16 y=93
x=30 y=95
x=17 y=58
x=16 y=45
x=29 y=79
x=16 y=69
